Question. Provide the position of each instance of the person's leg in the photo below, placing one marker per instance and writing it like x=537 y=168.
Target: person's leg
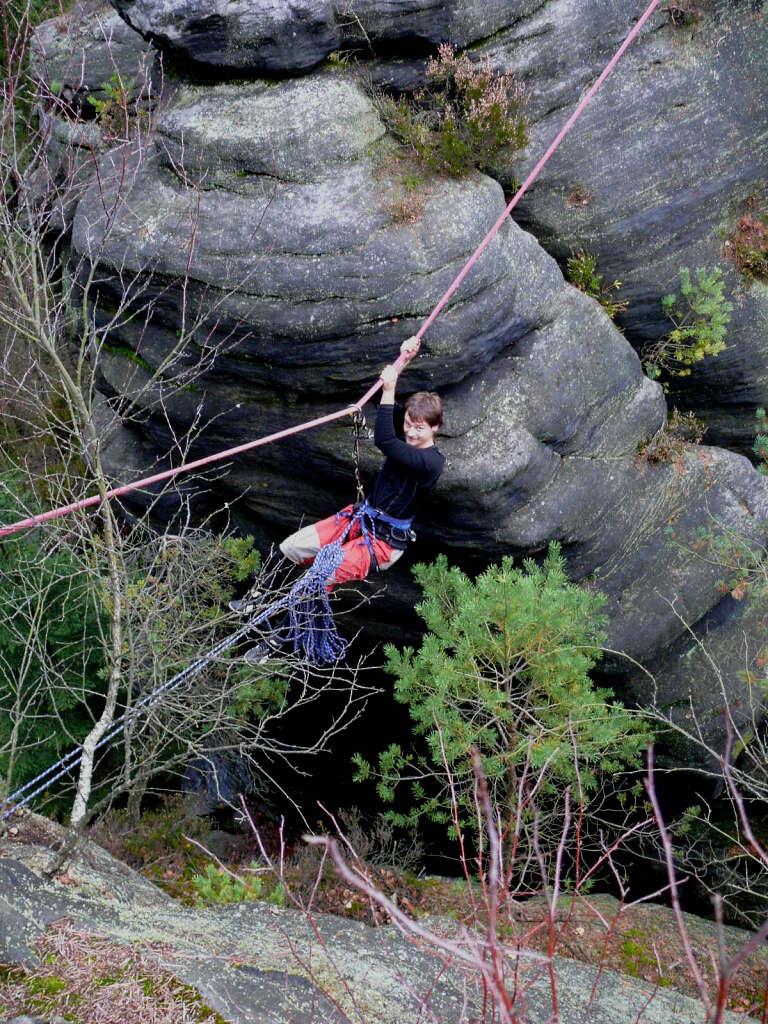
x=302 y=546
x=357 y=560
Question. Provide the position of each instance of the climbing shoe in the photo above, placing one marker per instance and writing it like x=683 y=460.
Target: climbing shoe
x=246 y=605
x=261 y=653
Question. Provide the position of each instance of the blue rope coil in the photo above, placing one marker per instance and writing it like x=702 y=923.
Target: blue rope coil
x=312 y=628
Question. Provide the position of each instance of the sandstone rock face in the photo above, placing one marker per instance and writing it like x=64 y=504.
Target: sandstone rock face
x=306 y=282
x=254 y=963
x=656 y=171
x=89 y=58
x=652 y=180
x=296 y=35
x=85 y=52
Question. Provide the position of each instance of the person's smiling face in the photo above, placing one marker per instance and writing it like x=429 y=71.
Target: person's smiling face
x=418 y=433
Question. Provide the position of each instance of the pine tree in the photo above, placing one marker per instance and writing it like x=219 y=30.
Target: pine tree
x=504 y=668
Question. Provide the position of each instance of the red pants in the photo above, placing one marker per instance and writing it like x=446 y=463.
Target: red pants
x=302 y=546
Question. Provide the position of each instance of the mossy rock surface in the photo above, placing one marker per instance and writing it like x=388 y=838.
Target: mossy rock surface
x=250 y=962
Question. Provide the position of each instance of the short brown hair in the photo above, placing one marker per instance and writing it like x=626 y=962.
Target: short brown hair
x=426 y=406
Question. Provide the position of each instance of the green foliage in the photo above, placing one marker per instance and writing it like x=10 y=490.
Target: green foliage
x=116 y=90
x=582 y=273
x=466 y=117
x=51 y=650
x=245 y=560
x=760 y=446
x=258 y=696
x=114 y=113
x=700 y=314
x=216 y=885
x=503 y=668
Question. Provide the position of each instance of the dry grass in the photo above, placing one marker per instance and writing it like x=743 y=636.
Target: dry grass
x=404 y=190
x=89 y=980
x=670 y=443
x=748 y=246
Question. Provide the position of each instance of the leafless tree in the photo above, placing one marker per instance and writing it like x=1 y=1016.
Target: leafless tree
x=153 y=599
x=506 y=956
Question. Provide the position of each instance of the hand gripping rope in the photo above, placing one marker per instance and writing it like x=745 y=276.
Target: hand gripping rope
x=311 y=622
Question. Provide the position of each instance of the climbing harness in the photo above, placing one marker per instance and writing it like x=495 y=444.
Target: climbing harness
x=311 y=626
x=367 y=517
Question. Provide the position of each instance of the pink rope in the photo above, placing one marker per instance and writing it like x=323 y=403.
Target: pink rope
x=537 y=169
x=401 y=360
x=169 y=473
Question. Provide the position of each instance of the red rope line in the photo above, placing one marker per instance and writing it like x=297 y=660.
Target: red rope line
x=96 y=499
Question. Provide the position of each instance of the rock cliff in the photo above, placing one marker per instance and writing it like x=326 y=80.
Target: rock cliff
x=259 y=230
x=660 y=167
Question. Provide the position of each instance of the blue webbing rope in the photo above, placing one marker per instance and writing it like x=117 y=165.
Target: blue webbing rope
x=312 y=627
x=74 y=757
x=312 y=630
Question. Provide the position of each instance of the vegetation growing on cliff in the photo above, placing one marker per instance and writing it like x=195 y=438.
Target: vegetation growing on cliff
x=673 y=439
x=700 y=314
x=81 y=978
x=504 y=669
x=467 y=116
x=582 y=273
x=747 y=245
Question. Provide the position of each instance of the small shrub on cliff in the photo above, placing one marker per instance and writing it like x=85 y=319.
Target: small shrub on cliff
x=747 y=246
x=700 y=314
x=467 y=116
x=684 y=12
x=504 y=668
x=760 y=446
x=221 y=886
x=670 y=442
x=582 y=273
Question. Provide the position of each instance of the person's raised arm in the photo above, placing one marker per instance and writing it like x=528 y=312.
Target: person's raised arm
x=389 y=374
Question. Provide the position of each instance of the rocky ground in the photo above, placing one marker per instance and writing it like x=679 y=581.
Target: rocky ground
x=257 y=960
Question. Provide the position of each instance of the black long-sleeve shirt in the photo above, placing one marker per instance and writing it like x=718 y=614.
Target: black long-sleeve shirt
x=408 y=473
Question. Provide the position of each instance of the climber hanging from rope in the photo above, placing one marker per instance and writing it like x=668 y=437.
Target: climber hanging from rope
x=373 y=533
